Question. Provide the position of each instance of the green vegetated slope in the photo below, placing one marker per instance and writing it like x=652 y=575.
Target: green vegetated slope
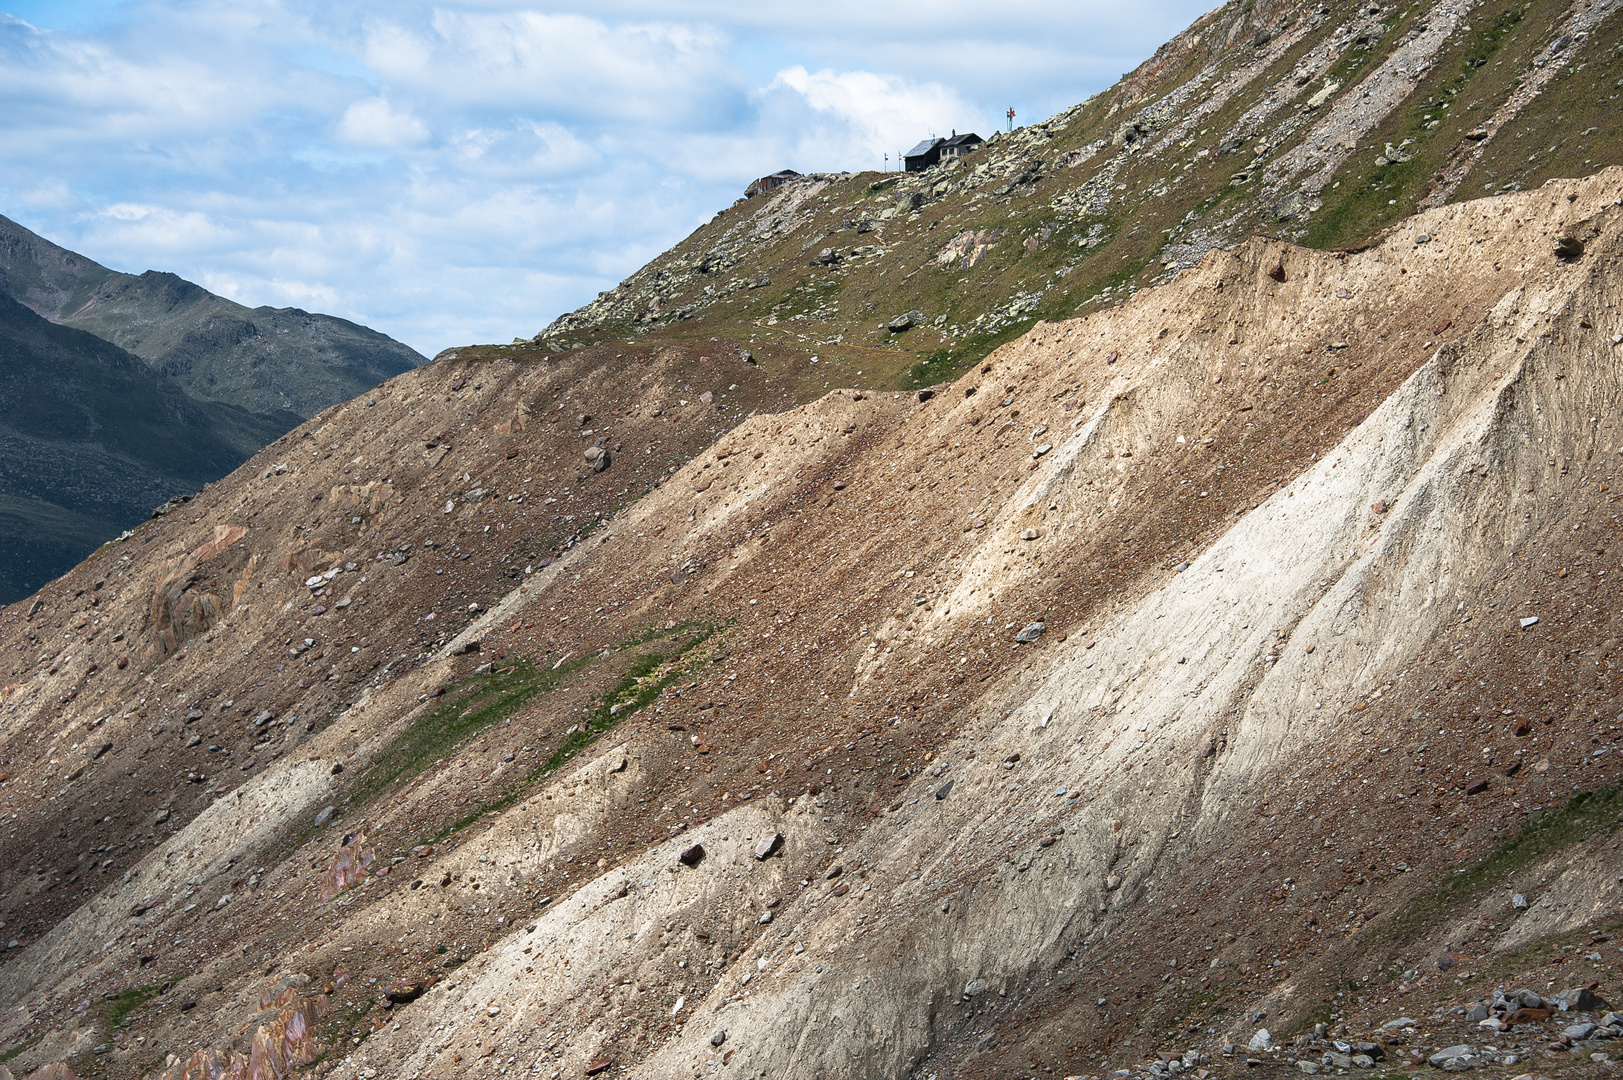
x=91 y=439
x=1317 y=123
x=265 y=360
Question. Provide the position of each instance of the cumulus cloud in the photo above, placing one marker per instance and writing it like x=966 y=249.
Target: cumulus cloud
x=523 y=149
x=168 y=77
x=567 y=66
x=161 y=230
x=1025 y=51
x=373 y=122
x=875 y=113
x=275 y=292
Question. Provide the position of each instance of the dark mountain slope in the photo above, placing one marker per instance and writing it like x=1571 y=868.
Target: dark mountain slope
x=263 y=359
x=91 y=439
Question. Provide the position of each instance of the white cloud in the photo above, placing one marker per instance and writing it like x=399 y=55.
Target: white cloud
x=374 y=123
x=160 y=230
x=274 y=292
x=51 y=193
x=876 y=113
x=570 y=66
x=524 y=149
x=1011 y=51
x=179 y=74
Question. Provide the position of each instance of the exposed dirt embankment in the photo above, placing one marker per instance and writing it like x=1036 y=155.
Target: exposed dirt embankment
x=1281 y=521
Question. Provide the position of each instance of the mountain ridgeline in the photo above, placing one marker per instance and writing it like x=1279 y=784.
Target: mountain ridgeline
x=266 y=360
x=92 y=439
x=1319 y=123
x=122 y=391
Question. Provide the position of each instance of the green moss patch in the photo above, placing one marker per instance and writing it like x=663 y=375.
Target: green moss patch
x=945 y=365
x=1584 y=815
x=469 y=707
x=646 y=677
x=19 y=1048
x=121 y=1007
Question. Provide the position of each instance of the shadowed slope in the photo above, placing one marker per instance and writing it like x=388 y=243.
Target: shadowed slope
x=91 y=439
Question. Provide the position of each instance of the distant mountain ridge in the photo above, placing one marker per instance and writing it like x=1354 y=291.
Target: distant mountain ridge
x=91 y=439
x=119 y=391
x=266 y=360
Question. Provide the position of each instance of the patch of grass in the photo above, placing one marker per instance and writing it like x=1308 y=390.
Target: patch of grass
x=1126 y=275
x=930 y=369
x=19 y=1048
x=1486 y=43
x=342 y=1025
x=811 y=295
x=1569 y=129
x=470 y=706
x=945 y=365
x=1320 y=1015
x=950 y=362
x=1366 y=203
x=1204 y=1000
x=1352 y=64
x=644 y=680
x=633 y=691
x=1585 y=814
x=1363 y=203
x=128 y=1000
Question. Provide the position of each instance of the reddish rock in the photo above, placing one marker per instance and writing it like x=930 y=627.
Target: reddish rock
x=405 y=991
x=1528 y=1016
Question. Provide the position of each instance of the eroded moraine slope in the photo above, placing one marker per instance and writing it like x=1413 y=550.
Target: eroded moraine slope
x=1282 y=519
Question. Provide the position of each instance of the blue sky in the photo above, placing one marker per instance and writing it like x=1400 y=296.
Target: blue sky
x=466 y=171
